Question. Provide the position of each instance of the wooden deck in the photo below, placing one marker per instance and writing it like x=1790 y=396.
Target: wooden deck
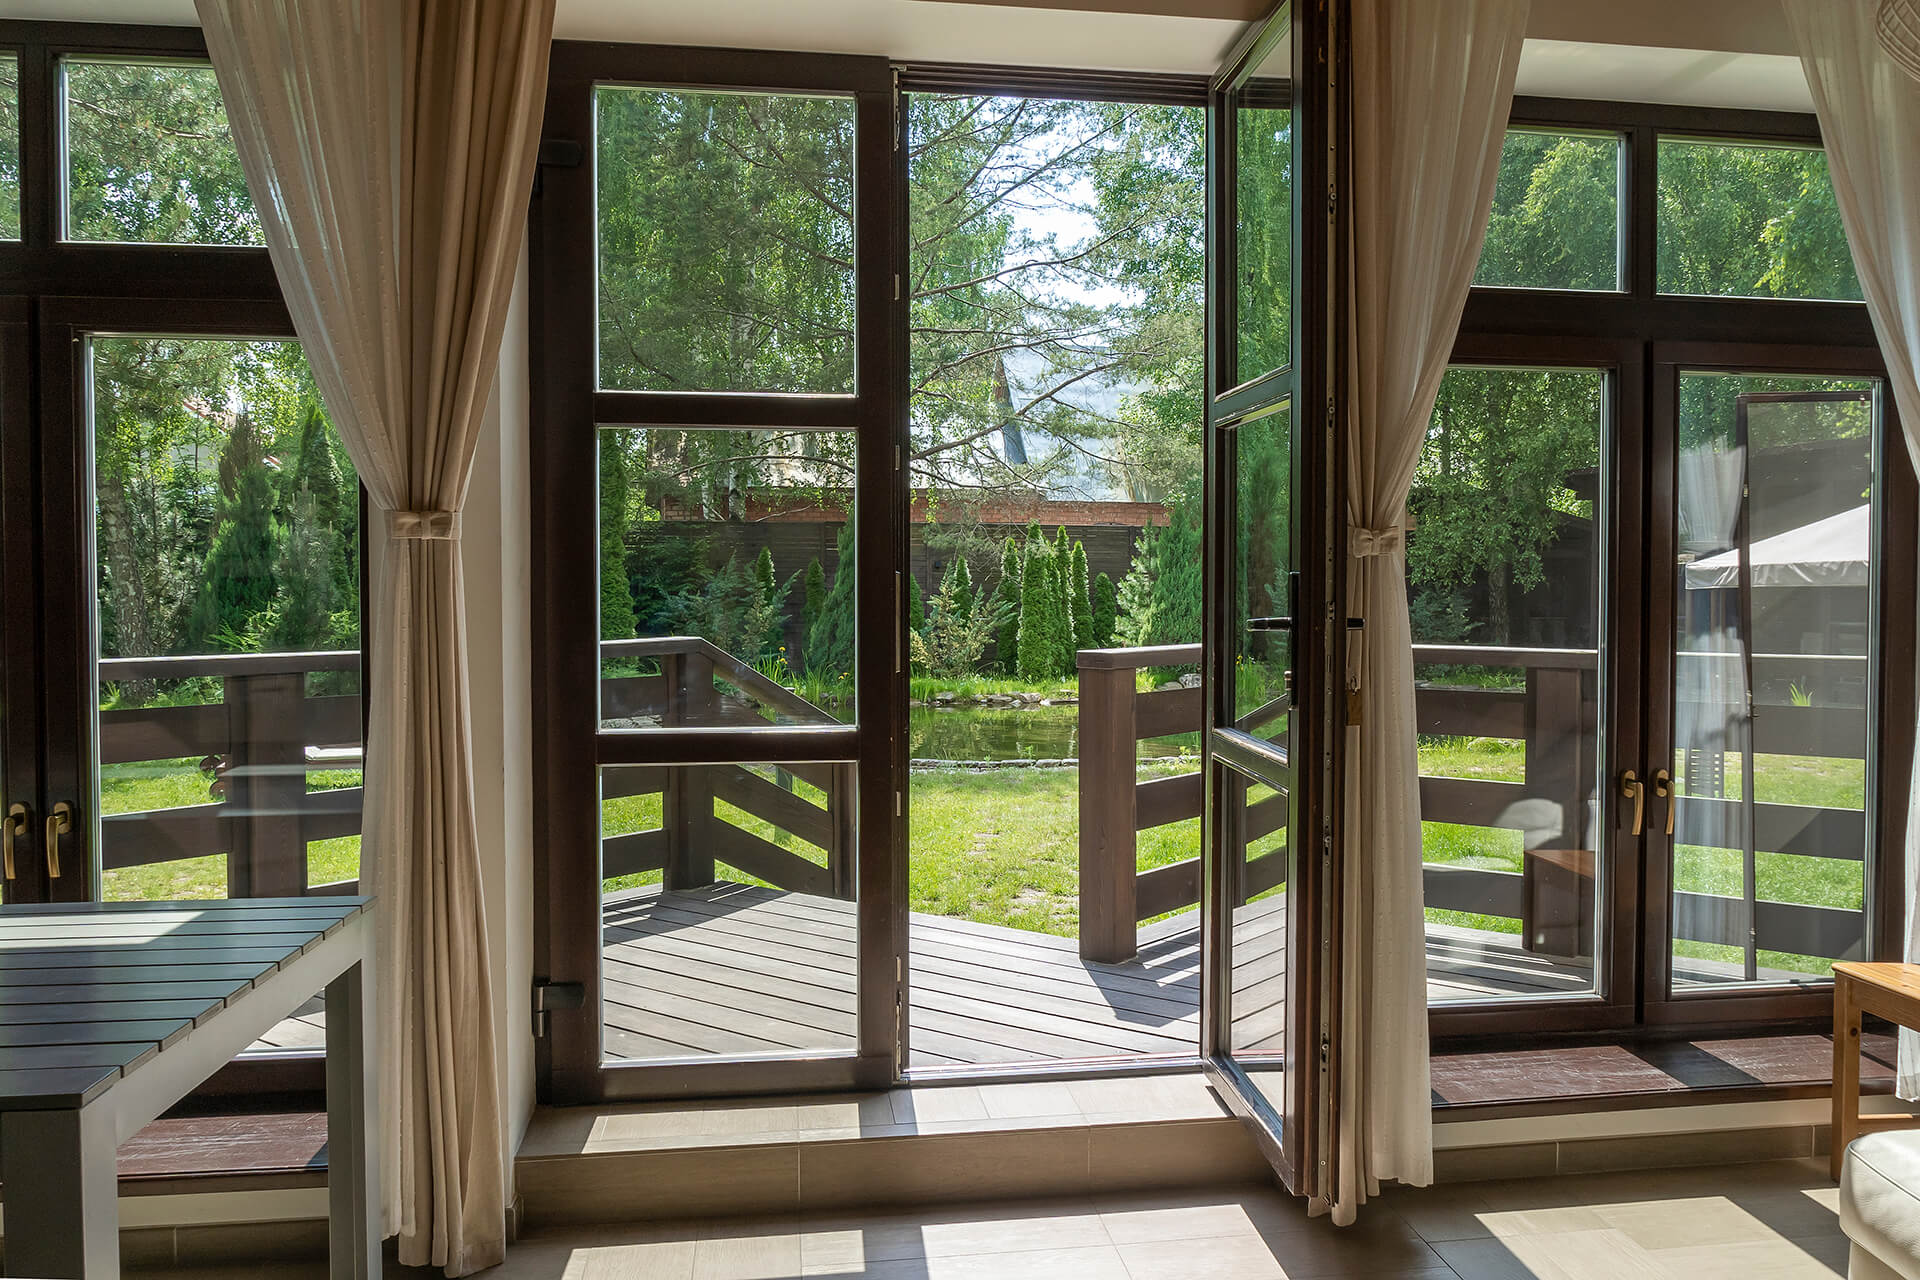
x=737 y=969
x=741 y=970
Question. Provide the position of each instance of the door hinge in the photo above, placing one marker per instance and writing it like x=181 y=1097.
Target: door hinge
x=557 y=153
x=548 y=996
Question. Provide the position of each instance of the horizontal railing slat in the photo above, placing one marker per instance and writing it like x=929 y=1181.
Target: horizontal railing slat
x=633 y=854
x=1166 y=711
x=1471 y=713
x=161 y=835
x=1167 y=889
x=1795 y=928
x=1808 y=830
x=745 y=851
x=1160 y=801
x=1471 y=889
x=762 y=799
x=1470 y=802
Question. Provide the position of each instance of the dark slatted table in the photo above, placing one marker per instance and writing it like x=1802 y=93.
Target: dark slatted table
x=112 y=1012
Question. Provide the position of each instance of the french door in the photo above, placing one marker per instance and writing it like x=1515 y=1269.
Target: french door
x=1275 y=624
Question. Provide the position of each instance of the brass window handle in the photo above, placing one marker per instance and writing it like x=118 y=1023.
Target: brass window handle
x=1663 y=787
x=1635 y=790
x=14 y=825
x=59 y=823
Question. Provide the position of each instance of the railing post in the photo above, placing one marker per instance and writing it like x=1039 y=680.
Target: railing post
x=1557 y=873
x=686 y=803
x=1108 y=775
x=840 y=826
x=266 y=784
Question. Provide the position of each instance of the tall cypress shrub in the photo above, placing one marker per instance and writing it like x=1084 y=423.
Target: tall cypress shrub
x=830 y=639
x=1039 y=642
x=1078 y=589
x=236 y=581
x=1105 y=611
x=618 y=620
x=1007 y=641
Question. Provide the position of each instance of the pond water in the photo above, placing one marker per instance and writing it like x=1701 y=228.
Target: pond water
x=1009 y=733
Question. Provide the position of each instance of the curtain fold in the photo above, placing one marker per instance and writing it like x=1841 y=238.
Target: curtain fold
x=1869 y=109
x=1432 y=89
x=389 y=146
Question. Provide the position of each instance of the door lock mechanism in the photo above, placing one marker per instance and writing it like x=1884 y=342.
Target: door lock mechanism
x=59 y=823
x=15 y=825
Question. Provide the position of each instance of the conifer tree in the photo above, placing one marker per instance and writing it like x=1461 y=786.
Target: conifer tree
x=1080 y=598
x=830 y=640
x=237 y=580
x=961 y=579
x=812 y=604
x=1105 y=611
x=1039 y=641
x=304 y=606
x=1008 y=639
x=916 y=607
x=617 y=618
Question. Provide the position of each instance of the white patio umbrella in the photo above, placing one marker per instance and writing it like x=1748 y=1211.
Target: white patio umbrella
x=1827 y=553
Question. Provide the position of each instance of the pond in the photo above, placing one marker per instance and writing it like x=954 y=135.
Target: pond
x=1013 y=733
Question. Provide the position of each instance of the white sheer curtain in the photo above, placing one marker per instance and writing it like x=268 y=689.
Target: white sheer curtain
x=1869 y=109
x=389 y=146
x=1432 y=88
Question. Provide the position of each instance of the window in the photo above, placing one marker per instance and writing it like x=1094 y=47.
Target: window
x=149 y=158
x=1556 y=213
x=1263 y=213
x=1748 y=221
x=726 y=241
x=9 y=147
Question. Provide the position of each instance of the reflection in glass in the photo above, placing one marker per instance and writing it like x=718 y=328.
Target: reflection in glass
x=728 y=895
x=1747 y=221
x=725 y=241
x=227 y=532
x=9 y=147
x=1556 y=213
x=1263 y=661
x=727 y=591
x=1263 y=214
x=1773 y=605
x=150 y=158
x=1257 y=863
x=1505 y=566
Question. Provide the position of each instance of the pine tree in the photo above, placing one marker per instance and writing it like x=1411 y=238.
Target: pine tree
x=768 y=580
x=1077 y=590
x=1105 y=611
x=1039 y=641
x=812 y=604
x=830 y=639
x=1062 y=570
x=1008 y=640
x=236 y=582
x=303 y=608
x=962 y=593
x=916 y=607
x=618 y=620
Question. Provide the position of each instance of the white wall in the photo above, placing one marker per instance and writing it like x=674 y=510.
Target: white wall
x=496 y=549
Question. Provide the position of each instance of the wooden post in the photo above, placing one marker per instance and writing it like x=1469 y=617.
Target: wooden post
x=840 y=825
x=686 y=802
x=266 y=784
x=1108 y=817
x=1557 y=873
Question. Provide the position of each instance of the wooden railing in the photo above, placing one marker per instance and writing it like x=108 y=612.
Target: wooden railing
x=701 y=685
x=261 y=814
x=1552 y=713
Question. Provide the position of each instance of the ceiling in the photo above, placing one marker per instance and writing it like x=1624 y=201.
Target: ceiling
x=1727 y=53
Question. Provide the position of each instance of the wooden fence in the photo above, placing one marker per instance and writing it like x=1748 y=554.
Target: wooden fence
x=1552 y=713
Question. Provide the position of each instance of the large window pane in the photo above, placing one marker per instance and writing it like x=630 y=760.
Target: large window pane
x=1556 y=213
x=728 y=895
x=727 y=587
x=1773 y=609
x=227 y=528
x=1505 y=567
x=726 y=241
x=9 y=147
x=1748 y=221
x=1263 y=662
x=1263 y=215
x=150 y=157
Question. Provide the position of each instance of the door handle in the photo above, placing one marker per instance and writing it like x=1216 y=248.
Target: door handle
x=59 y=823
x=1635 y=790
x=1269 y=624
x=15 y=825
x=1663 y=787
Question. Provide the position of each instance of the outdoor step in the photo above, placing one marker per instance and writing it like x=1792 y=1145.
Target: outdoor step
x=902 y=1146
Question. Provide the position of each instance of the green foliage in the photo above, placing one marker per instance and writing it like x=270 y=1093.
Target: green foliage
x=1007 y=639
x=1042 y=626
x=1556 y=214
x=1105 y=611
x=957 y=633
x=151 y=157
x=957 y=586
x=1079 y=597
x=916 y=607
x=618 y=620
x=732 y=610
x=237 y=580
x=1263 y=146
x=830 y=640
x=1751 y=221
x=1161 y=596
x=813 y=601
x=303 y=608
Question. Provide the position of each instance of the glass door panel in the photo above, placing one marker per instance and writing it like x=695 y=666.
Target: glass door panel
x=1774 y=600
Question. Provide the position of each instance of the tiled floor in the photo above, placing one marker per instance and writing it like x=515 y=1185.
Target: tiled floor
x=1772 y=1221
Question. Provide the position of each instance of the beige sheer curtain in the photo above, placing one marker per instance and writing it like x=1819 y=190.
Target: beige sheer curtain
x=1869 y=107
x=389 y=146
x=1432 y=87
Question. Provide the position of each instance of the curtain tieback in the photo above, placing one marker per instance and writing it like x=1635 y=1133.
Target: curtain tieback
x=1362 y=543
x=419 y=526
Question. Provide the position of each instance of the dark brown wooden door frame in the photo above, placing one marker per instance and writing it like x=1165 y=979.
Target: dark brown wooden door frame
x=1292 y=1129
x=22 y=737
x=568 y=409
x=1890 y=714
x=1614 y=1002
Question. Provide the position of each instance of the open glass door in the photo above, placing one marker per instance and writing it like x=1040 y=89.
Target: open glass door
x=1270 y=652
